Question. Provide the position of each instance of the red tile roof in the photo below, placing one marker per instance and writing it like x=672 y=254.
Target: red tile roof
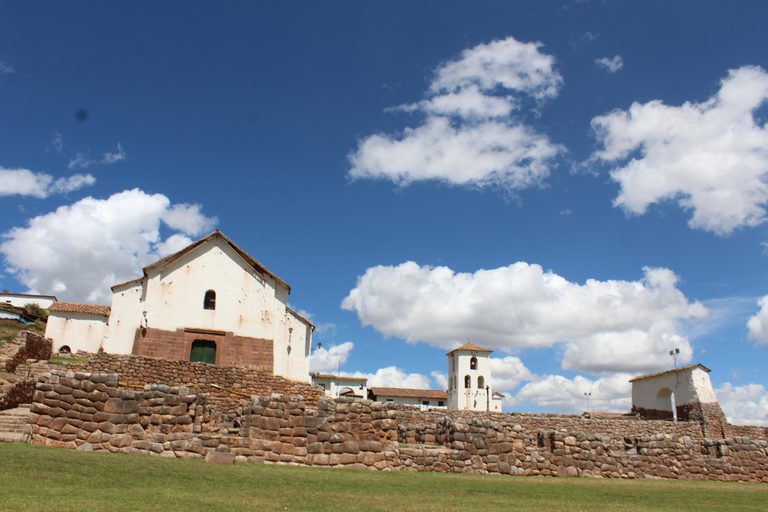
x=410 y=393
x=470 y=346
x=338 y=377
x=74 y=307
x=689 y=367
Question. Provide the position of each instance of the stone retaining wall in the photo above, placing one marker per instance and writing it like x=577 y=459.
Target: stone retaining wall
x=27 y=345
x=89 y=412
x=137 y=371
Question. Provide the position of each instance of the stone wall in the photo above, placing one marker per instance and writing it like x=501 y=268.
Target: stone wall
x=239 y=383
x=177 y=345
x=90 y=412
x=27 y=345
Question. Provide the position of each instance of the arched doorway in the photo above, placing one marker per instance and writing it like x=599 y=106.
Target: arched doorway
x=203 y=351
x=665 y=404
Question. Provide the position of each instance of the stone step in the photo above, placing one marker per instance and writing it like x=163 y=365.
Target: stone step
x=12 y=424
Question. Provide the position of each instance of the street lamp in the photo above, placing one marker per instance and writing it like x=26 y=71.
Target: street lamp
x=588 y=395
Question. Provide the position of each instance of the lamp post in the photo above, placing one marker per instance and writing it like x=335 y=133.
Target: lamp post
x=589 y=394
x=674 y=353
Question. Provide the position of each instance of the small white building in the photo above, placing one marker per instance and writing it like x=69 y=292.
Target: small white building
x=469 y=380
x=209 y=302
x=82 y=324
x=674 y=394
x=21 y=299
x=425 y=398
x=340 y=386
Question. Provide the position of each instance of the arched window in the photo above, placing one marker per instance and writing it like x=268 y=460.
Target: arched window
x=481 y=382
x=467 y=382
x=473 y=363
x=210 y=300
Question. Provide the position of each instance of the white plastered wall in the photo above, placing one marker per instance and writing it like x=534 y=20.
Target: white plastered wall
x=79 y=331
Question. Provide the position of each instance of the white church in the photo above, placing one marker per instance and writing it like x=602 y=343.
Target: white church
x=210 y=302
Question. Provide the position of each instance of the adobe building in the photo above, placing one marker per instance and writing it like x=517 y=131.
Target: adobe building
x=682 y=394
x=209 y=302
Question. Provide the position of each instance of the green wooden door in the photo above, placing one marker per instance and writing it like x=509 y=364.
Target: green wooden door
x=203 y=351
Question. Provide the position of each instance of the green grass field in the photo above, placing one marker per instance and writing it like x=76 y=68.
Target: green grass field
x=35 y=478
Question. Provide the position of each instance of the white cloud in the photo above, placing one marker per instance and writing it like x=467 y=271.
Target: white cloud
x=5 y=69
x=84 y=160
x=555 y=392
x=607 y=326
x=440 y=379
x=758 y=323
x=468 y=135
x=610 y=65
x=394 y=377
x=38 y=184
x=744 y=405
x=79 y=251
x=710 y=157
x=58 y=143
x=327 y=329
x=188 y=219
x=508 y=373
x=329 y=359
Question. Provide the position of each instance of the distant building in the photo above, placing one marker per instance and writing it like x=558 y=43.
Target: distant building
x=337 y=386
x=210 y=302
x=21 y=299
x=469 y=380
x=426 y=398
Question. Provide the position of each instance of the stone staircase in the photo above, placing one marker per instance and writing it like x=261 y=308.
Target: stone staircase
x=12 y=423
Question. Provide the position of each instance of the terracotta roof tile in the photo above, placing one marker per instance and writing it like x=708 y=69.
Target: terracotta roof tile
x=470 y=346
x=74 y=307
x=338 y=377
x=689 y=367
x=410 y=393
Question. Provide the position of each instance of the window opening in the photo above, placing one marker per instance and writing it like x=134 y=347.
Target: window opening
x=210 y=300
x=467 y=382
x=473 y=363
x=480 y=382
x=203 y=351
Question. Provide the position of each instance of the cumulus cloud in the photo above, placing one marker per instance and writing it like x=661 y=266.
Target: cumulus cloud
x=84 y=160
x=329 y=359
x=711 y=157
x=188 y=219
x=558 y=393
x=468 y=134
x=606 y=326
x=79 y=251
x=394 y=377
x=610 y=65
x=508 y=373
x=758 y=323
x=744 y=405
x=24 y=182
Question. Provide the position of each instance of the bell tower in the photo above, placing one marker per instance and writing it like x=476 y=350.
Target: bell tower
x=469 y=379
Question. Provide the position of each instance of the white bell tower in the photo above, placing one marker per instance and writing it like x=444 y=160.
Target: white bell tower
x=469 y=380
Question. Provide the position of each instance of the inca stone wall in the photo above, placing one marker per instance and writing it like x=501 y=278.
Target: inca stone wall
x=27 y=345
x=136 y=372
x=90 y=412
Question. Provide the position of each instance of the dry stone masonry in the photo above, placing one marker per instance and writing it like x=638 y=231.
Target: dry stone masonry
x=90 y=411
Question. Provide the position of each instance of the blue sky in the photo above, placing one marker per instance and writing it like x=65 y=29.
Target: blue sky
x=579 y=186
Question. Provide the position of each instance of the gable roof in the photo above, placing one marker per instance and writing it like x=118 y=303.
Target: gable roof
x=30 y=295
x=74 y=307
x=250 y=260
x=338 y=377
x=689 y=367
x=410 y=393
x=470 y=346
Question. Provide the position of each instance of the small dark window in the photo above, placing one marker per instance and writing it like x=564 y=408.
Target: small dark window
x=440 y=403
x=467 y=382
x=210 y=300
x=480 y=382
x=473 y=363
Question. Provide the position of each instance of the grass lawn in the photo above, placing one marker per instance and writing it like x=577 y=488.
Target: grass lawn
x=35 y=478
